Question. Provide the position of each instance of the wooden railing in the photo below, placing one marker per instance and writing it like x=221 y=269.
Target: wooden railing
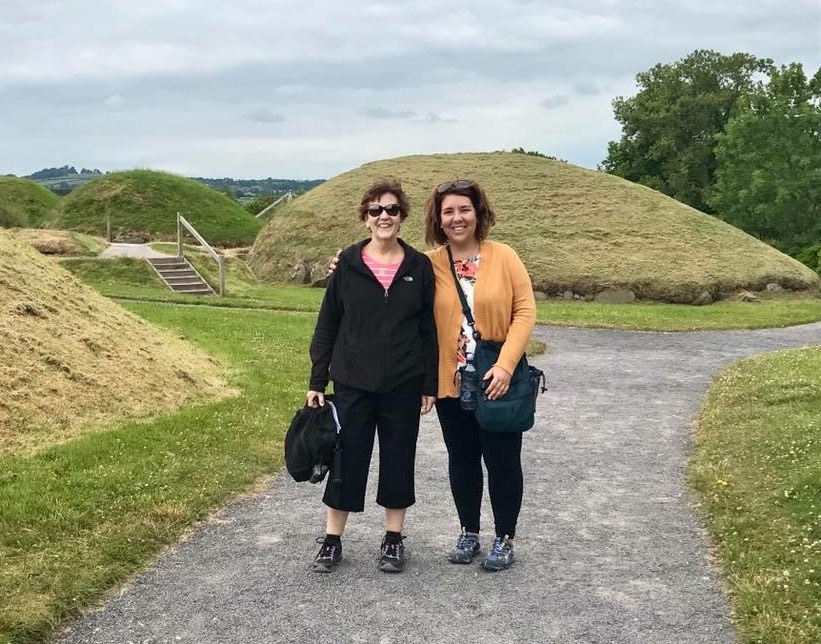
x=219 y=259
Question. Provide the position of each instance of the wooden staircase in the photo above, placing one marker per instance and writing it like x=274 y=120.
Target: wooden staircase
x=180 y=276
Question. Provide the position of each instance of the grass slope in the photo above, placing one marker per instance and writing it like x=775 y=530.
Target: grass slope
x=70 y=358
x=757 y=469
x=143 y=204
x=24 y=203
x=575 y=229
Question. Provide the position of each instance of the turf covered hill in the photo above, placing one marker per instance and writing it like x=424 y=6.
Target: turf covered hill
x=24 y=203
x=143 y=205
x=576 y=230
x=70 y=357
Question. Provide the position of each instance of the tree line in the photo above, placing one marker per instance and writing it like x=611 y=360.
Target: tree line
x=733 y=136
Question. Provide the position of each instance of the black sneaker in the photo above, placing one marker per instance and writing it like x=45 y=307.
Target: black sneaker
x=328 y=556
x=393 y=556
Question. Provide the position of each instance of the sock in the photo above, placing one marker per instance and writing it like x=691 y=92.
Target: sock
x=393 y=537
x=332 y=539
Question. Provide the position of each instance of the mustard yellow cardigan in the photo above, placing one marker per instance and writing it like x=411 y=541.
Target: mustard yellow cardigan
x=503 y=306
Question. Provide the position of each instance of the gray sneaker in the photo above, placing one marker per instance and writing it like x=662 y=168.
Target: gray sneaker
x=466 y=548
x=500 y=556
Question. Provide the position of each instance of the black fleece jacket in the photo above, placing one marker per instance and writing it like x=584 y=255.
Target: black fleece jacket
x=374 y=338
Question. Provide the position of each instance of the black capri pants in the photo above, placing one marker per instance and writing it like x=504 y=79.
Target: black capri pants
x=394 y=417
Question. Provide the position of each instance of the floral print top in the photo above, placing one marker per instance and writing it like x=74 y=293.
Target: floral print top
x=466 y=272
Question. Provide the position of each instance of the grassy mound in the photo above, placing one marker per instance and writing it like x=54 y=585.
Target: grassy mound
x=24 y=203
x=70 y=358
x=143 y=204
x=576 y=230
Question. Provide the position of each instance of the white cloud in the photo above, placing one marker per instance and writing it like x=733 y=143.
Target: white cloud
x=275 y=88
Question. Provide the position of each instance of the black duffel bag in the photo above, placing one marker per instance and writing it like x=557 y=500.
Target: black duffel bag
x=312 y=443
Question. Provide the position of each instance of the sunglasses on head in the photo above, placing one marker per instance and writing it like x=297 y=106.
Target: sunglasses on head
x=392 y=209
x=459 y=184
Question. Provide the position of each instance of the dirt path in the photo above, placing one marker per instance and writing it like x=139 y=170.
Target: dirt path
x=610 y=550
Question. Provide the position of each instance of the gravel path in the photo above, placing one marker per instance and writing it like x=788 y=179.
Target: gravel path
x=610 y=549
x=142 y=251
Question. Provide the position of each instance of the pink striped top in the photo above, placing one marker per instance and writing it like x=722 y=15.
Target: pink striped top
x=384 y=273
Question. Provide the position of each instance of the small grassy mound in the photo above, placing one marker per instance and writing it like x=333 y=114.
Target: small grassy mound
x=24 y=203
x=71 y=359
x=576 y=230
x=142 y=205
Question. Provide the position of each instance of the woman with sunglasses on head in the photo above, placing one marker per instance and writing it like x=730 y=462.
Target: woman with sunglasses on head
x=375 y=338
x=497 y=287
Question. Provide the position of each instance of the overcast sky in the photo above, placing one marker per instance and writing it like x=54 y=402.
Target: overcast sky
x=309 y=89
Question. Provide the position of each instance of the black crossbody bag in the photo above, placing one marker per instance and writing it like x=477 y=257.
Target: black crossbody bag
x=516 y=410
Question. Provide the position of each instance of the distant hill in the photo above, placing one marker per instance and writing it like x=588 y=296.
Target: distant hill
x=141 y=205
x=24 y=203
x=66 y=178
x=578 y=231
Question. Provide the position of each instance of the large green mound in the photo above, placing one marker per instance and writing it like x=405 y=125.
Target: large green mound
x=24 y=203
x=143 y=204
x=576 y=230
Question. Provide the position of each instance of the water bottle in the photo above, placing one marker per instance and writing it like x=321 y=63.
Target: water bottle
x=468 y=391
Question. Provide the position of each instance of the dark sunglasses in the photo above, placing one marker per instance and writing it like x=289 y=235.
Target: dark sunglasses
x=459 y=184
x=393 y=209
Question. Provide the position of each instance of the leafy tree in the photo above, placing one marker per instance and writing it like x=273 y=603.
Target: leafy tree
x=768 y=181
x=669 y=127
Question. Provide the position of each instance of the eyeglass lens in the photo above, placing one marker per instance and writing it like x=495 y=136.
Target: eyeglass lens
x=393 y=209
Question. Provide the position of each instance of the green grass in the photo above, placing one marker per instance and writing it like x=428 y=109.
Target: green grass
x=778 y=311
x=757 y=470
x=78 y=518
x=24 y=203
x=146 y=202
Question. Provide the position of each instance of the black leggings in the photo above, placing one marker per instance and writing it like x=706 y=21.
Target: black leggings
x=468 y=444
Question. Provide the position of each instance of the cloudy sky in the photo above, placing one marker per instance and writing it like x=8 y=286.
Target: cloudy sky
x=308 y=89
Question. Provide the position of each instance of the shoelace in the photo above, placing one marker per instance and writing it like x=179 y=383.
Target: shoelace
x=392 y=549
x=465 y=542
x=327 y=549
x=498 y=547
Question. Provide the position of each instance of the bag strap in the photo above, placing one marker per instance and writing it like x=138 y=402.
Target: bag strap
x=336 y=416
x=462 y=298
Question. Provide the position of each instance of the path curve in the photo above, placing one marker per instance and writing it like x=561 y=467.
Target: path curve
x=610 y=549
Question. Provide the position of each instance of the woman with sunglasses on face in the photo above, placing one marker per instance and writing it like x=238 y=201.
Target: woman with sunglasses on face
x=498 y=290
x=375 y=338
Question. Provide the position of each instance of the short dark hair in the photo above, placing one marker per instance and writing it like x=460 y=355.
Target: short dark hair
x=381 y=187
x=485 y=217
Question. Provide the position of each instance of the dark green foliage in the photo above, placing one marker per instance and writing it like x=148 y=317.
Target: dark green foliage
x=768 y=181
x=669 y=127
x=256 y=206
x=143 y=204
x=24 y=203
x=535 y=153
x=811 y=256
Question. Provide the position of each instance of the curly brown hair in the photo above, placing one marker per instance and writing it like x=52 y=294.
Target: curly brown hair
x=381 y=187
x=485 y=217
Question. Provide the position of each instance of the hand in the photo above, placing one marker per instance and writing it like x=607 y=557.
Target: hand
x=315 y=399
x=333 y=262
x=497 y=382
x=427 y=403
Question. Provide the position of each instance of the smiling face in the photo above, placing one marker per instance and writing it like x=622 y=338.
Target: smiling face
x=383 y=226
x=458 y=218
